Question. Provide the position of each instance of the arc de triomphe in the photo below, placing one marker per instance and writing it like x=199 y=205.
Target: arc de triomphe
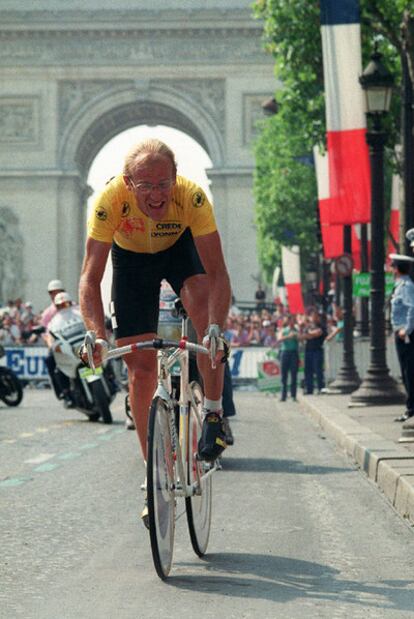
x=73 y=78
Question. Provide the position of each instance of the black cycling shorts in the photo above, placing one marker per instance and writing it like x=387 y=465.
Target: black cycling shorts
x=137 y=279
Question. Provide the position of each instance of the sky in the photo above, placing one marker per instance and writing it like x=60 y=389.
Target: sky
x=192 y=161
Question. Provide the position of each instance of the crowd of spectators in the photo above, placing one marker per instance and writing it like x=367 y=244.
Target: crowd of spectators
x=17 y=320
x=261 y=328
x=243 y=328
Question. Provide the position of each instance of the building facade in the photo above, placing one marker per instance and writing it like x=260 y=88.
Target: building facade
x=75 y=77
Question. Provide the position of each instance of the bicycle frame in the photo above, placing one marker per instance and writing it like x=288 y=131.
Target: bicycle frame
x=165 y=362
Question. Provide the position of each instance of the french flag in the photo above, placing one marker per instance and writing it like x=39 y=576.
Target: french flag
x=394 y=225
x=291 y=276
x=332 y=234
x=349 y=167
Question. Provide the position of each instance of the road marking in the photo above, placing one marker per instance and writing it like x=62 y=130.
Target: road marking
x=45 y=468
x=14 y=481
x=39 y=459
x=105 y=434
x=70 y=455
x=9 y=441
x=26 y=434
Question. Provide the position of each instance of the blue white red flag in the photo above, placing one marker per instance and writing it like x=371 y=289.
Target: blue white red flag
x=349 y=168
x=332 y=234
x=292 y=279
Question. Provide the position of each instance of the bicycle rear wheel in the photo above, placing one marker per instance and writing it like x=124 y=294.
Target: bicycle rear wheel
x=198 y=506
x=160 y=487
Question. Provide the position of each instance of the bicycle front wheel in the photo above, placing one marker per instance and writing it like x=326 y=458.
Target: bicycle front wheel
x=198 y=506
x=160 y=487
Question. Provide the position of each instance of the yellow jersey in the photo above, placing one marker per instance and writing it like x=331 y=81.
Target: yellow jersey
x=116 y=216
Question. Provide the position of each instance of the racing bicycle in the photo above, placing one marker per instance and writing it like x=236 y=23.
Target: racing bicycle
x=174 y=470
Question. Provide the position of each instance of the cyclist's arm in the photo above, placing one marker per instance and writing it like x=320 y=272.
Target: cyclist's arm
x=211 y=255
x=90 y=298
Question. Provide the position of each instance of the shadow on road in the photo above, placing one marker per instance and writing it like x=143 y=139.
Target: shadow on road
x=282 y=579
x=273 y=465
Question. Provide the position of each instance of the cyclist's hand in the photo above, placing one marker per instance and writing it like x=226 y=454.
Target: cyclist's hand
x=216 y=343
x=93 y=350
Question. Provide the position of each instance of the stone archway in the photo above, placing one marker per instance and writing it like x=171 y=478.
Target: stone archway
x=78 y=77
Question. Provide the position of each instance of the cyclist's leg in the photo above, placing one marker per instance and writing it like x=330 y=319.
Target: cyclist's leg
x=194 y=295
x=187 y=277
x=142 y=378
x=134 y=311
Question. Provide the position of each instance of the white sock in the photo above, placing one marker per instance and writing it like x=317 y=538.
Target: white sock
x=211 y=406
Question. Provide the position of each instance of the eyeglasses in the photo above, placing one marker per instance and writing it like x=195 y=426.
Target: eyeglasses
x=148 y=187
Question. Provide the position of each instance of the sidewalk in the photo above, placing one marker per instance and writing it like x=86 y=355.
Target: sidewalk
x=370 y=436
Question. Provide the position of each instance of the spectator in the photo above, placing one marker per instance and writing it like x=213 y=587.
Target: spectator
x=337 y=332
x=288 y=337
x=254 y=331
x=240 y=337
x=268 y=335
x=314 y=336
x=230 y=330
x=10 y=333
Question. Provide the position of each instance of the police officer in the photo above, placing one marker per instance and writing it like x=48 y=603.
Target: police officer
x=402 y=321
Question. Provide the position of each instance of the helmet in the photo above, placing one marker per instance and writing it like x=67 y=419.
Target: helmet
x=55 y=284
x=62 y=297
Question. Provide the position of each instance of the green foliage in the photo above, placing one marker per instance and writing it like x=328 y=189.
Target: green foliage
x=285 y=190
x=285 y=193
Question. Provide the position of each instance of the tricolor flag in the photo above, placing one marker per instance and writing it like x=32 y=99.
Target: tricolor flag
x=291 y=276
x=394 y=225
x=349 y=168
x=332 y=234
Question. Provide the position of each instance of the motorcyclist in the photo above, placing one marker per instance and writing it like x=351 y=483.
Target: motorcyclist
x=67 y=317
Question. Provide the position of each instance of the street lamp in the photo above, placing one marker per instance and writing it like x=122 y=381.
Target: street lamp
x=378 y=387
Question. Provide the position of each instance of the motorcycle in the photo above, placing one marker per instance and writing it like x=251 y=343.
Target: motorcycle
x=11 y=390
x=91 y=392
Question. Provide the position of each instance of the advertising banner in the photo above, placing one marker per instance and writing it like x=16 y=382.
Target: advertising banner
x=28 y=362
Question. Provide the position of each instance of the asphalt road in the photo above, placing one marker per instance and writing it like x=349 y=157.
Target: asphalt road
x=297 y=531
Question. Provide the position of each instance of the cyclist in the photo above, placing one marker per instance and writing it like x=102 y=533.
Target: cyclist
x=157 y=225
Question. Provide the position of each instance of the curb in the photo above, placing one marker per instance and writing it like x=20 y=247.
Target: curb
x=390 y=467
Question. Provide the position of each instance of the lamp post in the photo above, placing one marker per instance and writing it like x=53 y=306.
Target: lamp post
x=378 y=387
x=347 y=378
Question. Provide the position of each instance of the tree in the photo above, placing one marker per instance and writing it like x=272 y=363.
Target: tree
x=292 y=36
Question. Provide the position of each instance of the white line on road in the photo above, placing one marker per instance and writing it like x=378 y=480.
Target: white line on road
x=39 y=459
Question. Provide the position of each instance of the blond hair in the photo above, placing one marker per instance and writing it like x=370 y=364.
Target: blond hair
x=145 y=151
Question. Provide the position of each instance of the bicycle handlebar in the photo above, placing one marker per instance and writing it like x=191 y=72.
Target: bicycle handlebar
x=156 y=344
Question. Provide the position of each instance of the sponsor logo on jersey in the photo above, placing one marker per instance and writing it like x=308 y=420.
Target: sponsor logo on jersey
x=101 y=213
x=166 y=228
x=198 y=199
x=125 y=209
